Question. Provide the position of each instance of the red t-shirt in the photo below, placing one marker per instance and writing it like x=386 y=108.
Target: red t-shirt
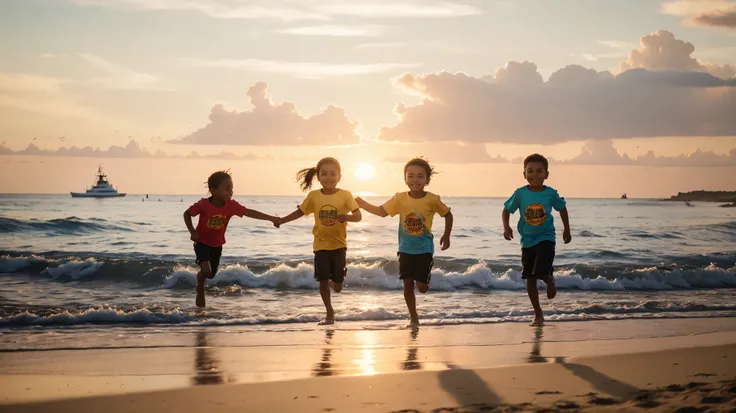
x=213 y=220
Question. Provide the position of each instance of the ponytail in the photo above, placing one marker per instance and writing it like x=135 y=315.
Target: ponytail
x=305 y=177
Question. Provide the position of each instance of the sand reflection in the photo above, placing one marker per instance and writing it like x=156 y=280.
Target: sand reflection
x=206 y=364
x=324 y=367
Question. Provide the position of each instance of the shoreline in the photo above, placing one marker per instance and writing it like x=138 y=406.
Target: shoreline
x=229 y=358
x=693 y=376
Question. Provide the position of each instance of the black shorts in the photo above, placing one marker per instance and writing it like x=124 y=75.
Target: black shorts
x=417 y=267
x=330 y=265
x=537 y=260
x=206 y=253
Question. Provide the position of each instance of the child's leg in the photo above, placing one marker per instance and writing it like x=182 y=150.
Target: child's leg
x=545 y=256
x=411 y=300
x=323 y=274
x=531 y=289
x=338 y=269
x=528 y=260
x=324 y=291
x=551 y=288
x=204 y=273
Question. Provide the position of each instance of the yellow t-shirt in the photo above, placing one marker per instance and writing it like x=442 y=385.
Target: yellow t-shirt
x=329 y=233
x=415 y=226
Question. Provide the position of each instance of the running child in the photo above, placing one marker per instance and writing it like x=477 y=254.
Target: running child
x=537 y=229
x=332 y=208
x=209 y=236
x=416 y=209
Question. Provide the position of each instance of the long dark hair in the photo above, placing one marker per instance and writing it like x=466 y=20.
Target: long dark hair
x=306 y=175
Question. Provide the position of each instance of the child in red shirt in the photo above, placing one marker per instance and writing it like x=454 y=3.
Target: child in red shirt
x=214 y=214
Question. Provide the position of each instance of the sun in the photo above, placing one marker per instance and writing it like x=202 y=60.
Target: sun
x=365 y=172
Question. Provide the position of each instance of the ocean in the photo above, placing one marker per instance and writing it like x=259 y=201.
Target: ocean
x=71 y=265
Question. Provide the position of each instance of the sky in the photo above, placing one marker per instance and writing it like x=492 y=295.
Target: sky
x=634 y=96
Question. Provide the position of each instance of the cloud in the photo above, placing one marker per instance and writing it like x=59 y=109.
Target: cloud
x=448 y=153
x=398 y=8
x=46 y=95
x=274 y=124
x=238 y=9
x=662 y=51
x=718 y=18
x=337 y=31
x=22 y=82
x=120 y=77
x=619 y=50
x=308 y=70
x=392 y=45
x=617 y=44
x=604 y=153
x=517 y=106
x=711 y=13
x=131 y=150
x=292 y=10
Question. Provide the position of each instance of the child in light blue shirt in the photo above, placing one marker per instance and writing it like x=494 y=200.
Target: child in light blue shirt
x=536 y=227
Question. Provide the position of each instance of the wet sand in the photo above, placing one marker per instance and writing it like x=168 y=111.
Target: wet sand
x=388 y=371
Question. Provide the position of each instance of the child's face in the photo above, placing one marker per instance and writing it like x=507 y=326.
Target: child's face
x=416 y=178
x=224 y=192
x=535 y=173
x=328 y=175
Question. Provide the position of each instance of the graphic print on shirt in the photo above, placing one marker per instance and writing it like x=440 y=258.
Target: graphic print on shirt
x=216 y=222
x=414 y=224
x=535 y=214
x=328 y=215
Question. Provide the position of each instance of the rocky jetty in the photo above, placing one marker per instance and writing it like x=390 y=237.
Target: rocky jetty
x=706 y=196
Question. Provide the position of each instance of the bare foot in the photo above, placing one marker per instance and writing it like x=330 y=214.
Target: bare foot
x=414 y=321
x=329 y=319
x=200 y=297
x=538 y=322
x=551 y=289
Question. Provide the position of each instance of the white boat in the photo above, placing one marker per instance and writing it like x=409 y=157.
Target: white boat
x=101 y=189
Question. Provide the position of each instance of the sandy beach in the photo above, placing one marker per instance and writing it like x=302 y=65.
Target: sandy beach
x=653 y=365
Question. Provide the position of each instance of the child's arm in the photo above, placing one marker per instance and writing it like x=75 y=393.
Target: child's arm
x=445 y=240
x=252 y=213
x=508 y=233
x=193 y=234
x=566 y=235
x=294 y=215
x=375 y=210
x=354 y=216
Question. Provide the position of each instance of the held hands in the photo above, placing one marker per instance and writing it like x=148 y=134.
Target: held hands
x=566 y=236
x=445 y=242
x=508 y=233
x=276 y=222
x=361 y=202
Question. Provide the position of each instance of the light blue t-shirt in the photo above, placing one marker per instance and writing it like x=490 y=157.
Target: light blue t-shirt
x=535 y=219
x=415 y=227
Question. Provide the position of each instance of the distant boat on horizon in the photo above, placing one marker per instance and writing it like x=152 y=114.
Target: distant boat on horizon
x=101 y=189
